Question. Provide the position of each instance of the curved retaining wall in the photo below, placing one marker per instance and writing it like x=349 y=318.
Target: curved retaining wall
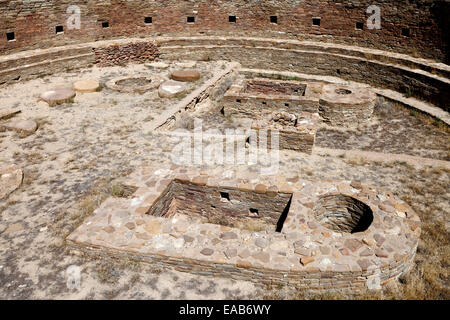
x=414 y=77
x=415 y=27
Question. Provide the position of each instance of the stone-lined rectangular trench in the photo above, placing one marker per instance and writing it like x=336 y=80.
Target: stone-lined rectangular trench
x=246 y=210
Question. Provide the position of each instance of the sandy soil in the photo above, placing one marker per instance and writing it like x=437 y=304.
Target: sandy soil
x=80 y=148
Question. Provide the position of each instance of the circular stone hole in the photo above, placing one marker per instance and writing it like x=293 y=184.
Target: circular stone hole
x=343 y=91
x=134 y=82
x=343 y=214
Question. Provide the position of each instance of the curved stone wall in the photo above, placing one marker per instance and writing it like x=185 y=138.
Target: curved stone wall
x=413 y=27
x=410 y=76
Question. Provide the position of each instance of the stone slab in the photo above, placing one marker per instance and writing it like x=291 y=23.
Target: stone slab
x=8 y=113
x=10 y=179
x=86 y=86
x=58 y=96
x=188 y=75
x=171 y=89
x=22 y=127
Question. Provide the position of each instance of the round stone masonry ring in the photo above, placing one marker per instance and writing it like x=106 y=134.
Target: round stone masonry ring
x=347 y=106
x=58 y=96
x=135 y=84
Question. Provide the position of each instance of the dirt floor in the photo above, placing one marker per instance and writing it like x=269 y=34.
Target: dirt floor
x=71 y=162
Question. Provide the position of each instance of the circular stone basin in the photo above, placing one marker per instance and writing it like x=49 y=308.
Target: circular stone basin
x=134 y=84
x=58 y=96
x=342 y=213
x=85 y=86
x=171 y=89
x=185 y=75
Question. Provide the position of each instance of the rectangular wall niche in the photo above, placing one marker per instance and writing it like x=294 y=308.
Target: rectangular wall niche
x=316 y=21
x=10 y=36
x=59 y=29
x=190 y=19
x=246 y=210
x=232 y=19
x=148 y=20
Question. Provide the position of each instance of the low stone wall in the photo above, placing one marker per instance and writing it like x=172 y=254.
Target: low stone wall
x=379 y=69
x=297 y=133
x=306 y=253
x=121 y=54
x=243 y=101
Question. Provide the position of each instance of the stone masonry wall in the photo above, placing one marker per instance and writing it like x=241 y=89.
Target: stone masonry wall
x=34 y=22
x=201 y=201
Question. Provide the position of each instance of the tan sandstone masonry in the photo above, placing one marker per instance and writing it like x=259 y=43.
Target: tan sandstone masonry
x=295 y=131
x=403 y=30
x=347 y=106
x=312 y=246
x=249 y=98
x=419 y=78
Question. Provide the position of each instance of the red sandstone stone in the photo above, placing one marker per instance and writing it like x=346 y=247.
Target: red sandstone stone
x=185 y=75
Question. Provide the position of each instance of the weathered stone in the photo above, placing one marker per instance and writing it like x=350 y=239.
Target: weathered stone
x=130 y=225
x=58 y=96
x=171 y=88
x=325 y=250
x=11 y=178
x=306 y=260
x=109 y=229
x=8 y=113
x=157 y=65
x=153 y=227
x=261 y=242
x=230 y=253
x=366 y=253
x=262 y=256
x=260 y=188
x=381 y=253
x=353 y=244
x=207 y=251
x=228 y=236
x=86 y=86
x=369 y=241
x=303 y=252
x=185 y=75
x=22 y=127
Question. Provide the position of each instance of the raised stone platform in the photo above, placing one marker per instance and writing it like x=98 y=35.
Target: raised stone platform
x=348 y=106
x=249 y=98
x=86 y=86
x=296 y=131
x=316 y=235
x=171 y=88
x=188 y=75
x=58 y=96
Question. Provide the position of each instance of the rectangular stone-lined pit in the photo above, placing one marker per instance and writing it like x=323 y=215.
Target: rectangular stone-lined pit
x=252 y=97
x=275 y=88
x=296 y=131
x=247 y=210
